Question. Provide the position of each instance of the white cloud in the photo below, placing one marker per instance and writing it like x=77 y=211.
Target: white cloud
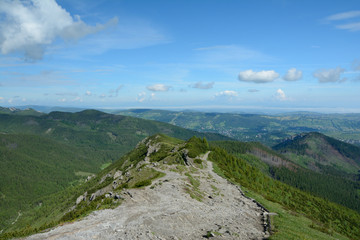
x=227 y=93
x=258 y=77
x=329 y=75
x=343 y=15
x=62 y=100
x=158 y=88
x=77 y=99
x=29 y=26
x=88 y=93
x=253 y=90
x=280 y=95
x=1 y=99
x=141 y=97
x=352 y=27
x=293 y=75
x=201 y=85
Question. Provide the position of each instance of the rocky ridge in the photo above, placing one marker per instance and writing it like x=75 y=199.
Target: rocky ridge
x=187 y=201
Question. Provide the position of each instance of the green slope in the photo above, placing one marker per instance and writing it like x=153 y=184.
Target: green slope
x=340 y=188
x=16 y=111
x=299 y=215
x=321 y=153
x=34 y=166
x=44 y=154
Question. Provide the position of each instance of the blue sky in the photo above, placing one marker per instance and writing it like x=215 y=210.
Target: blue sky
x=210 y=55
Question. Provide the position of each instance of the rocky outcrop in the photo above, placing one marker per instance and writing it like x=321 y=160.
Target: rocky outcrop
x=81 y=198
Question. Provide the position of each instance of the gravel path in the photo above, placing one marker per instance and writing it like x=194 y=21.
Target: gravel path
x=166 y=211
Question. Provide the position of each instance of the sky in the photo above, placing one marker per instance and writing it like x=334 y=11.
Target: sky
x=270 y=55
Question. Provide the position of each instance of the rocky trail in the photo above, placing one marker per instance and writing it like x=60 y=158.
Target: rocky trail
x=188 y=203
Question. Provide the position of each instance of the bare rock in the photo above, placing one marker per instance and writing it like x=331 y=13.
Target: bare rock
x=117 y=174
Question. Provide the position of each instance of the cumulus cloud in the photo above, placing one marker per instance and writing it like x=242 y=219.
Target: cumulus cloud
x=258 y=77
x=227 y=93
x=201 y=85
x=29 y=26
x=293 y=75
x=329 y=75
x=88 y=93
x=280 y=95
x=158 y=88
x=141 y=97
x=253 y=90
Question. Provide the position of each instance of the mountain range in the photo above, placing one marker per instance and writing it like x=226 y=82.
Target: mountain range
x=267 y=129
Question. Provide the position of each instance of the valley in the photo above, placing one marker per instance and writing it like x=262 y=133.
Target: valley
x=267 y=129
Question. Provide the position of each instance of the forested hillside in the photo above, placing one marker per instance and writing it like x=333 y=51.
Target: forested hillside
x=43 y=154
x=336 y=186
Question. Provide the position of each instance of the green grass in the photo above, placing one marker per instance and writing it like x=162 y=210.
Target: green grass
x=194 y=190
x=105 y=165
x=290 y=225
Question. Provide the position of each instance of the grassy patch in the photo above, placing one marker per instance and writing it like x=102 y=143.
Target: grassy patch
x=144 y=177
x=83 y=174
x=105 y=165
x=194 y=190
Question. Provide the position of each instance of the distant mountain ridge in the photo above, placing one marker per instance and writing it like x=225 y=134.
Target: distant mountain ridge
x=267 y=129
x=326 y=181
x=17 y=111
x=318 y=152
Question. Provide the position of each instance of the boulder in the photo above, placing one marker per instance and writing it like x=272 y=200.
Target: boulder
x=117 y=174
